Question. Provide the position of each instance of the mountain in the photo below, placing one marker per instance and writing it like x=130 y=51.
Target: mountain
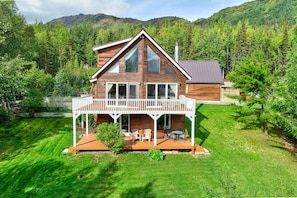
x=105 y=21
x=258 y=12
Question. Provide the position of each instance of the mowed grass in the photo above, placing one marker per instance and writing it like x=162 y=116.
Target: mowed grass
x=243 y=163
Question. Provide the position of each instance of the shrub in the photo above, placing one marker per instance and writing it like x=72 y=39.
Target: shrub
x=156 y=154
x=111 y=136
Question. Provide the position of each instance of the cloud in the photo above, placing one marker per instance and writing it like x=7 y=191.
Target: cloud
x=50 y=9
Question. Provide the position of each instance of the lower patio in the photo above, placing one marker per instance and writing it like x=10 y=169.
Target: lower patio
x=89 y=143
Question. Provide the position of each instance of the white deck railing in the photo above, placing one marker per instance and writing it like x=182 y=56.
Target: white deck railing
x=132 y=106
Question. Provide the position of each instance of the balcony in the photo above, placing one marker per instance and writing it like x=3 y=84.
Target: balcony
x=89 y=105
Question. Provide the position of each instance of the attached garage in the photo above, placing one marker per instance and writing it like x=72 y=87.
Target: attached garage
x=206 y=80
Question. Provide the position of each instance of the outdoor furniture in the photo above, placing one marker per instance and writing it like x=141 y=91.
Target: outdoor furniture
x=147 y=135
x=135 y=135
x=176 y=135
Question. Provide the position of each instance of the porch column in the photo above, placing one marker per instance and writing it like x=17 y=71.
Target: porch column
x=192 y=118
x=74 y=116
x=82 y=121
x=74 y=130
x=193 y=131
x=87 y=124
x=115 y=116
x=155 y=117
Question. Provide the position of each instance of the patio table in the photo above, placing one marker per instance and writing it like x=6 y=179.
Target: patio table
x=176 y=134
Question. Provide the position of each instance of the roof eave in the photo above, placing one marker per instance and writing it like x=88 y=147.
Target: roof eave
x=132 y=40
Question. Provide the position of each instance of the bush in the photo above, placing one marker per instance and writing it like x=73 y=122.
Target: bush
x=156 y=154
x=111 y=136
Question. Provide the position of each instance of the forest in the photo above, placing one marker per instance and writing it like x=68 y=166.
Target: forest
x=38 y=60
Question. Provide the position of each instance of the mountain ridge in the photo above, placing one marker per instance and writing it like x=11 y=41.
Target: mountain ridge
x=257 y=12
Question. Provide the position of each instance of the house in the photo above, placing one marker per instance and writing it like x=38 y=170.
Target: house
x=140 y=86
x=206 y=81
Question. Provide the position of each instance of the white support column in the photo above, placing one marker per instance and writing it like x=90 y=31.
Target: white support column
x=115 y=116
x=192 y=118
x=74 y=116
x=74 y=130
x=82 y=121
x=87 y=124
x=193 y=131
x=155 y=117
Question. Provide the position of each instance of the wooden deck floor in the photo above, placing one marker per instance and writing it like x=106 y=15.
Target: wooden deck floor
x=89 y=143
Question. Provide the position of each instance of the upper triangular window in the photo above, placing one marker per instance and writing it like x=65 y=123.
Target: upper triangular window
x=168 y=69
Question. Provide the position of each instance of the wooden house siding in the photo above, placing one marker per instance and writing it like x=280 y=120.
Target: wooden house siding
x=209 y=92
x=142 y=76
x=105 y=54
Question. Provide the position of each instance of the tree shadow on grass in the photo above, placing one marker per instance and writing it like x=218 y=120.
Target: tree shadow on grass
x=200 y=132
x=52 y=178
x=145 y=191
x=23 y=133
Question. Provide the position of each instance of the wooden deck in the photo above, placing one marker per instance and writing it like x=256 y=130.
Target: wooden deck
x=89 y=143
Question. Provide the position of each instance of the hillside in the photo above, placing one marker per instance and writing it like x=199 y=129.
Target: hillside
x=105 y=21
x=258 y=12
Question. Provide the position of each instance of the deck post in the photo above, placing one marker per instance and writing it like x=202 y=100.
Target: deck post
x=74 y=130
x=155 y=132
x=82 y=121
x=87 y=125
x=155 y=117
x=193 y=130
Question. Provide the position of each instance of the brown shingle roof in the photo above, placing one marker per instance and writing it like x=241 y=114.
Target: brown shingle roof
x=204 y=72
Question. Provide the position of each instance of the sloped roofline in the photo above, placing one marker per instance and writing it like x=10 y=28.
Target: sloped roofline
x=132 y=40
x=111 y=44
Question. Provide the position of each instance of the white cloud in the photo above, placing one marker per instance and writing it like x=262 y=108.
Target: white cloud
x=47 y=10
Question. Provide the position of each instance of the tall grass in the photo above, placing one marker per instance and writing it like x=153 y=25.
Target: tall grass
x=243 y=163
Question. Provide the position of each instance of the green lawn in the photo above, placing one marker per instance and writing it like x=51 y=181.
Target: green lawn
x=243 y=163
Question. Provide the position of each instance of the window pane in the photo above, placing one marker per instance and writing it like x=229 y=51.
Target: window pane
x=153 y=61
x=151 y=91
x=122 y=91
x=168 y=69
x=172 y=91
x=161 y=91
x=115 y=68
x=111 y=90
x=132 y=61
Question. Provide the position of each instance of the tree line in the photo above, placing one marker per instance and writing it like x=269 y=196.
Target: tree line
x=40 y=60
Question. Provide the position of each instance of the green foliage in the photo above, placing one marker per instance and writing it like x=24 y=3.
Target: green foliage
x=156 y=154
x=260 y=13
x=111 y=136
x=32 y=164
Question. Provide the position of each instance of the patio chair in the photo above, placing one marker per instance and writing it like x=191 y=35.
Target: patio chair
x=135 y=135
x=147 y=135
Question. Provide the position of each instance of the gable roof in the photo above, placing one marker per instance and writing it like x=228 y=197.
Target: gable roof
x=131 y=41
x=204 y=72
x=111 y=44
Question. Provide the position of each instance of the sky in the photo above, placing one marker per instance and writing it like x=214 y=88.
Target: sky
x=47 y=10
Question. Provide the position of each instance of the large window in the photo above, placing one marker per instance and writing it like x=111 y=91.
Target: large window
x=153 y=61
x=168 y=69
x=161 y=91
x=131 y=61
x=120 y=91
x=115 y=68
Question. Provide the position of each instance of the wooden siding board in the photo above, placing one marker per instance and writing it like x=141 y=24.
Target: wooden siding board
x=209 y=92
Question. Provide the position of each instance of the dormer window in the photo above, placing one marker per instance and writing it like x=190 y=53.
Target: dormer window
x=131 y=61
x=153 y=61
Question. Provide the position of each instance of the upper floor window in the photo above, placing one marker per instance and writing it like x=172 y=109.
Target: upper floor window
x=132 y=61
x=153 y=61
x=168 y=69
x=115 y=68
